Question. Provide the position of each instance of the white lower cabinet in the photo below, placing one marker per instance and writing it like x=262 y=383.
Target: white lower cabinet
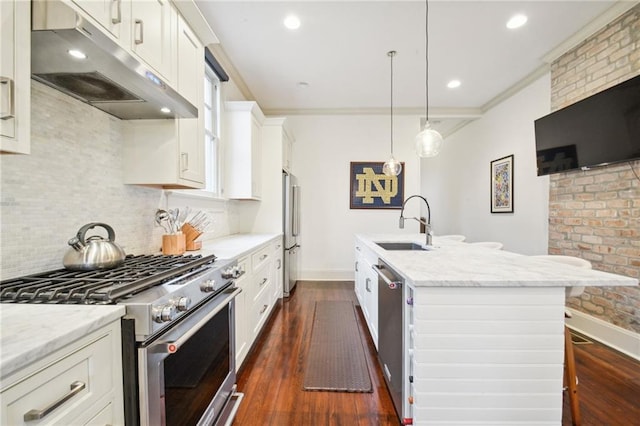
x=242 y=323
x=259 y=294
x=366 y=287
x=80 y=384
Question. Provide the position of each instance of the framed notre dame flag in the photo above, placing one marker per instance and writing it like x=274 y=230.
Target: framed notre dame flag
x=372 y=189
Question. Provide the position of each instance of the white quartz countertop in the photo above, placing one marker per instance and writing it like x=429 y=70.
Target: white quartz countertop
x=458 y=264
x=31 y=332
x=235 y=246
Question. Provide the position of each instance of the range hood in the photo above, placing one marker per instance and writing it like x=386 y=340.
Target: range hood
x=109 y=78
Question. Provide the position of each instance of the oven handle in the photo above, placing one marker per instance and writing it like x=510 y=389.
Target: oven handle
x=173 y=347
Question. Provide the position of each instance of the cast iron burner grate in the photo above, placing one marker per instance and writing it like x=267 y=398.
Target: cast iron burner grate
x=64 y=286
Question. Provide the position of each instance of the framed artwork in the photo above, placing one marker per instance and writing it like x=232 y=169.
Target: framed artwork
x=372 y=189
x=502 y=185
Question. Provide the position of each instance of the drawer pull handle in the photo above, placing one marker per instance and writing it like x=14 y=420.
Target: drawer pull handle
x=118 y=18
x=263 y=257
x=264 y=308
x=139 y=23
x=279 y=264
x=7 y=108
x=264 y=280
x=76 y=387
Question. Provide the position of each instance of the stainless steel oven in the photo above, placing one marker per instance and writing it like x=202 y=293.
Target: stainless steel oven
x=186 y=375
x=178 y=334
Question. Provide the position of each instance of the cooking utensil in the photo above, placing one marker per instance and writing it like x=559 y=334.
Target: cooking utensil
x=162 y=218
x=95 y=252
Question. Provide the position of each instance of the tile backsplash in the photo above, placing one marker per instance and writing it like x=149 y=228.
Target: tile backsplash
x=73 y=176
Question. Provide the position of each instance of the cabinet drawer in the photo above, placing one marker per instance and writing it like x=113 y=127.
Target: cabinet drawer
x=86 y=374
x=260 y=257
x=261 y=309
x=261 y=281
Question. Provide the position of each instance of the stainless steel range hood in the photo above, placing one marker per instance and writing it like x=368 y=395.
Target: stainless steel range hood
x=109 y=78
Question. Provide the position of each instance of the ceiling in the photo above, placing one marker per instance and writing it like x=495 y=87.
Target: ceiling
x=339 y=53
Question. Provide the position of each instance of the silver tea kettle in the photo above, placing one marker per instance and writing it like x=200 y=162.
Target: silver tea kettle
x=94 y=252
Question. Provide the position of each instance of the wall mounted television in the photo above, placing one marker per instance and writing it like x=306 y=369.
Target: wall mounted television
x=599 y=130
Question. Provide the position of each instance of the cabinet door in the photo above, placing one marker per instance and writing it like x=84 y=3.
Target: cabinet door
x=153 y=34
x=243 y=133
x=108 y=13
x=15 y=76
x=359 y=285
x=190 y=85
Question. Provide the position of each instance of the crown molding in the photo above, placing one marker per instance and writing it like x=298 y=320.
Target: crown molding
x=602 y=20
x=471 y=113
x=231 y=70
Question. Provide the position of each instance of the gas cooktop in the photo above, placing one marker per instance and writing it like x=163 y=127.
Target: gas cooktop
x=109 y=286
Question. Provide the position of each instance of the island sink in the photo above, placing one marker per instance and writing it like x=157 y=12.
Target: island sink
x=402 y=246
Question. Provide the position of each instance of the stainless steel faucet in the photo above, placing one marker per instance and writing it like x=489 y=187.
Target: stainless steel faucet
x=426 y=224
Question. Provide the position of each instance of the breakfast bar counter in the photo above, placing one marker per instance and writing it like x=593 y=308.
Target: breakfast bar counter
x=483 y=330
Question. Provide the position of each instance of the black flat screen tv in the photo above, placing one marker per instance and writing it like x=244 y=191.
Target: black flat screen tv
x=596 y=131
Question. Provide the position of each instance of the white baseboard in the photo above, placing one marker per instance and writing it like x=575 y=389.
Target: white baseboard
x=618 y=338
x=310 y=275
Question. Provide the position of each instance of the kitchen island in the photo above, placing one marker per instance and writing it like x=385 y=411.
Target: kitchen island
x=484 y=330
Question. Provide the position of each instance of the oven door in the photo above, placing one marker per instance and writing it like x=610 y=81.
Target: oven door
x=186 y=375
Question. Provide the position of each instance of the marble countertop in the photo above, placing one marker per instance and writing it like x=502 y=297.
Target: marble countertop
x=458 y=264
x=235 y=246
x=31 y=332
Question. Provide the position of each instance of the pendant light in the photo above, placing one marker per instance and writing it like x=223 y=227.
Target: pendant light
x=428 y=141
x=392 y=167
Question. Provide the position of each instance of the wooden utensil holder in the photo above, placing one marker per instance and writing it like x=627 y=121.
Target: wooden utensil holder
x=173 y=244
x=191 y=234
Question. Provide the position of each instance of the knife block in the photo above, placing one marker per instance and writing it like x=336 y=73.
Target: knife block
x=173 y=244
x=191 y=234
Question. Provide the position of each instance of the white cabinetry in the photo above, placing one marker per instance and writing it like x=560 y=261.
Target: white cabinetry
x=242 y=323
x=170 y=153
x=153 y=36
x=278 y=272
x=80 y=384
x=366 y=287
x=15 y=76
x=110 y=14
x=243 y=139
x=261 y=288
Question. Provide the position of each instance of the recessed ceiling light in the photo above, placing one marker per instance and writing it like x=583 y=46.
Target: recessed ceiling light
x=516 y=21
x=292 y=22
x=77 y=54
x=453 y=84
x=165 y=110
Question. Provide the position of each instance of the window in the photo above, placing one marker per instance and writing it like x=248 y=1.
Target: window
x=212 y=132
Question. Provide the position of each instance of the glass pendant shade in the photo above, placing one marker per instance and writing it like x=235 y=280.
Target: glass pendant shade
x=392 y=167
x=428 y=142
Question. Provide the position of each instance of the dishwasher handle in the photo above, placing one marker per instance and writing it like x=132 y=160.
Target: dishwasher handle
x=392 y=284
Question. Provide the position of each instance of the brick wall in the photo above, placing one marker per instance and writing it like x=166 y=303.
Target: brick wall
x=595 y=214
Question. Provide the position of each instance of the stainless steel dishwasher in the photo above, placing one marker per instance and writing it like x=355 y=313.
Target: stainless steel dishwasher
x=391 y=332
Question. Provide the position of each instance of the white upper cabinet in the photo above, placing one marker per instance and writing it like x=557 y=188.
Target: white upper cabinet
x=170 y=153
x=153 y=34
x=15 y=76
x=190 y=85
x=109 y=13
x=243 y=142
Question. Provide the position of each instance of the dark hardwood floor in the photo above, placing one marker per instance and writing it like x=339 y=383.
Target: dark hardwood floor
x=271 y=376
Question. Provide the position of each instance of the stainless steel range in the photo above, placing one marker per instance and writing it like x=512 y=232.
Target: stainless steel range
x=178 y=332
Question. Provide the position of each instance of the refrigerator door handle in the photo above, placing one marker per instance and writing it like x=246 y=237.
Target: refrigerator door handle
x=295 y=231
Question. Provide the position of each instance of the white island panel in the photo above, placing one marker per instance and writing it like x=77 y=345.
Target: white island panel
x=488 y=355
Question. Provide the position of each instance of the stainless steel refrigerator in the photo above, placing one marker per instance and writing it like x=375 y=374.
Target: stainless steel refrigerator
x=291 y=226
